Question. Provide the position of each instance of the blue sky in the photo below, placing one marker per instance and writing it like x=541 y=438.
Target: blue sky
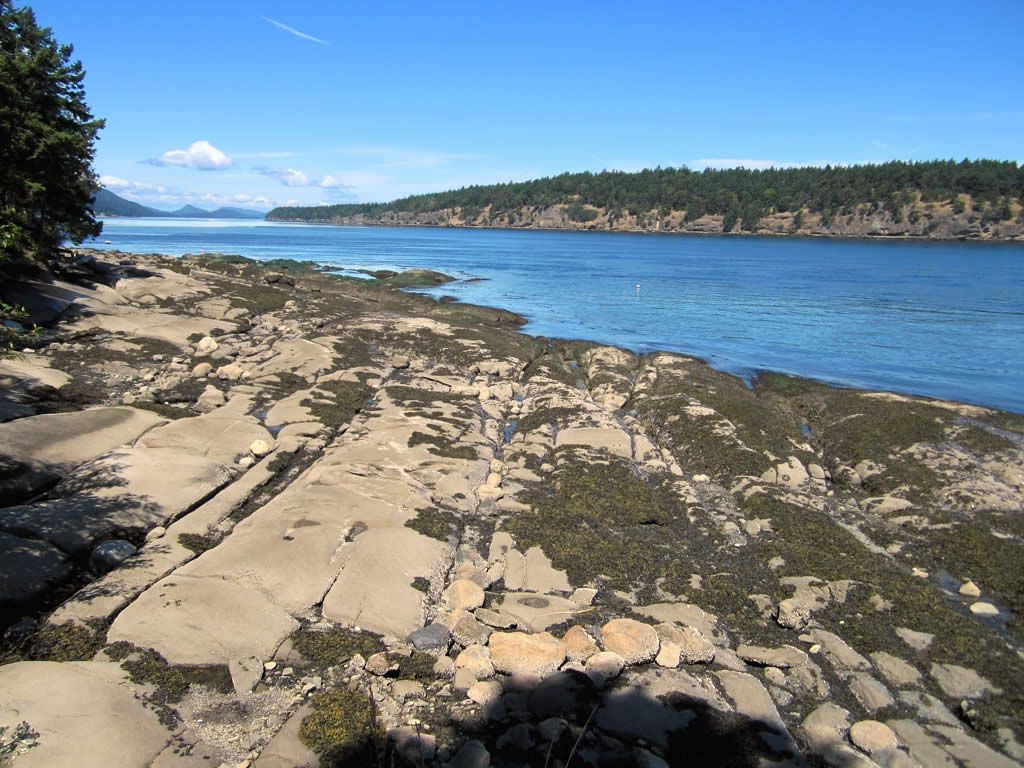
x=263 y=103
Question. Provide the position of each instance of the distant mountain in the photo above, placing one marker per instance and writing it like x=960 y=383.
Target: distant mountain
x=236 y=213
x=189 y=212
x=107 y=203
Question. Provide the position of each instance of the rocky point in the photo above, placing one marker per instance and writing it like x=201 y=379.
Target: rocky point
x=272 y=518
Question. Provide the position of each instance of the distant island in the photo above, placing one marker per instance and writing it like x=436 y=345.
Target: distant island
x=106 y=203
x=941 y=199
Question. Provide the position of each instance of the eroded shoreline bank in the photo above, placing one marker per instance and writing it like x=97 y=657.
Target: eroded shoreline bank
x=493 y=507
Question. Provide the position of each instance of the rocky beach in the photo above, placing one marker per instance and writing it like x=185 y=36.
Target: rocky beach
x=258 y=515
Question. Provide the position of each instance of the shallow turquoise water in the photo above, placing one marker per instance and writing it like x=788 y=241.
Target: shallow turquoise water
x=940 y=319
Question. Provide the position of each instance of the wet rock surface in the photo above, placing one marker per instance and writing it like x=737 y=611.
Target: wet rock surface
x=289 y=519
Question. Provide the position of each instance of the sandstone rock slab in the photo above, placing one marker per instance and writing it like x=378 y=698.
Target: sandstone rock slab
x=961 y=682
x=536 y=612
x=85 y=713
x=785 y=657
x=220 y=435
x=69 y=439
x=28 y=570
x=613 y=440
x=373 y=589
x=127 y=489
x=194 y=620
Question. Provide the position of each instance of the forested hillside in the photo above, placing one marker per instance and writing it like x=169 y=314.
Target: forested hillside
x=918 y=199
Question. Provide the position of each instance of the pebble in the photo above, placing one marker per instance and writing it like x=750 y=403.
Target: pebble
x=970 y=589
x=981 y=608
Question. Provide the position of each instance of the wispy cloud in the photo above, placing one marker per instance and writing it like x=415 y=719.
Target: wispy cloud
x=290 y=177
x=201 y=155
x=293 y=31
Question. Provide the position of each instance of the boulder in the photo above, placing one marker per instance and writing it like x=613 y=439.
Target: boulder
x=693 y=646
x=206 y=345
x=110 y=554
x=517 y=653
x=476 y=659
x=633 y=640
x=579 y=645
x=604 y=666
x=464 y=594
x=873 y=736
x=260 y=448
x=430 y=637
x=211 y=399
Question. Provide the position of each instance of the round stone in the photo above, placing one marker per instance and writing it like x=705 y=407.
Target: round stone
x=259 y=448
x=873 y=736
x=110 y=554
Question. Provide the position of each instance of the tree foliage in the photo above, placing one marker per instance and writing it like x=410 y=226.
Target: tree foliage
x=47 y=135
x=740 y=195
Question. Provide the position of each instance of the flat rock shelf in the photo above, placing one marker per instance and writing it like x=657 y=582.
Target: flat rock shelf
x=253 y=519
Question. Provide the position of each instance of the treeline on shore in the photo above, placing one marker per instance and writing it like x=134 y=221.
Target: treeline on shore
x=739 y=195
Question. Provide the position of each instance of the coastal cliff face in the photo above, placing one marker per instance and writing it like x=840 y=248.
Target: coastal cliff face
x=271 y=519
x=929 y=221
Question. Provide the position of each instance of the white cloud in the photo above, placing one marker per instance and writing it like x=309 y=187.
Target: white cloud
x=293 y=31
x=202 y=155
x=332 y=182
x=123 y=185
x=290 y=177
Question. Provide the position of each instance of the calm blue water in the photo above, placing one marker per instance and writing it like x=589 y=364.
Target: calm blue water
x=940 y=319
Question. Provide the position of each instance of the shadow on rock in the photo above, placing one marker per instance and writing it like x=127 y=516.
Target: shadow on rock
x=563 y=720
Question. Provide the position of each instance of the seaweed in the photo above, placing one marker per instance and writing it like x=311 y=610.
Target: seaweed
x=342 y=728
x=436 y=522
x=327 y=648
x=441 y=446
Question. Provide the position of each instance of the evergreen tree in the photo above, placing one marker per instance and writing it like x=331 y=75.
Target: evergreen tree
x=46 y=140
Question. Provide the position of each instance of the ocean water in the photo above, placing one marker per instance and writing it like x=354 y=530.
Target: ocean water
x=938 y=319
